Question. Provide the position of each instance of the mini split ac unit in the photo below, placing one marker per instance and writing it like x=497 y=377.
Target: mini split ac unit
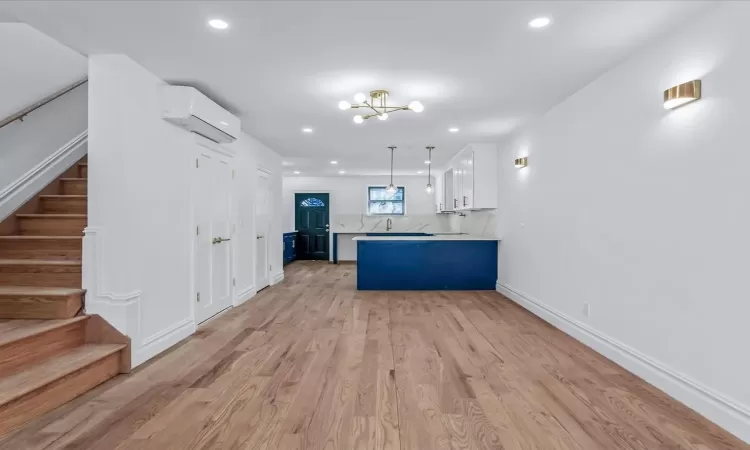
x=188 y=108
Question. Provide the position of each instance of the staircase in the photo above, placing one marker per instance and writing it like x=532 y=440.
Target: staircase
x=50 y=352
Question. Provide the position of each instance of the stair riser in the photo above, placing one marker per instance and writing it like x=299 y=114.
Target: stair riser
x=20 y=411
x=64 y=205
x=43 y=226
x=43 y=276
x=49 y=249
x=40 y=306
x=83 y=171
x=74 y=187
x=41 y=346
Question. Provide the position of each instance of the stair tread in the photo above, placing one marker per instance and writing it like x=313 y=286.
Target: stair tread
x=83 y=164
x=73 y=179
x=38 y=290
x=51 y=216
x=27 y=237
x=63 y=196
x=13 y=330
x=46 y=372
x=40 y=262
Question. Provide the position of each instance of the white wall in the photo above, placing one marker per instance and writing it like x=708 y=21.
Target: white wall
x=138 y=248
x=643 y=214
x=34 y=66
x=25 y=145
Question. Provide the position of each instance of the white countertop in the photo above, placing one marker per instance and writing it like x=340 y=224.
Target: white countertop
x=392 y=231
x=441 y=237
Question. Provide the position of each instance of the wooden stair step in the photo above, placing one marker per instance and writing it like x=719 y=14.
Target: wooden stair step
x=51 y=224
x=35 y=302
x=74 y=186
x=83 y=170
x=24 y=342
x=25 y=272
x=64 y=204
x=46 y=385
x=41 y=247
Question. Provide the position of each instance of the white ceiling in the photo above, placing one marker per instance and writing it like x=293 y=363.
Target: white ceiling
x=285 y=65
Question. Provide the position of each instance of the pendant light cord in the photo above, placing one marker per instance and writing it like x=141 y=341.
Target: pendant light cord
x=392 y=148
x=429 y=166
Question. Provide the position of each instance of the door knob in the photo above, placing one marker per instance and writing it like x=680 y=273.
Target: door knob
x=219 y=240
x=258 y=237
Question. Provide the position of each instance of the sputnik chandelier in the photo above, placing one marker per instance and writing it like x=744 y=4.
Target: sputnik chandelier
x=378 y=104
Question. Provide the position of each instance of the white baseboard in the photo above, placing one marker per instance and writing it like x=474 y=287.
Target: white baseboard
x=244 y=295
x=159 y=342
x=729 y=414
x=23 y=189
x=277 y=278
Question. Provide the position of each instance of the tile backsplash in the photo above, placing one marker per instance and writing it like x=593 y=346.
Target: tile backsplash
x=417 y=223
x=475 y=223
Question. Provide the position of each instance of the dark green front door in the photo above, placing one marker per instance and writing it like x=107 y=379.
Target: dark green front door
x=311 y=218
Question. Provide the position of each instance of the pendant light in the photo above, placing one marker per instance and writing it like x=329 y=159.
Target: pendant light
x=429 y=189
x=391 y=189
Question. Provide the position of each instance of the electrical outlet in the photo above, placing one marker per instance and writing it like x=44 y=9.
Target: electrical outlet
x=586 y=309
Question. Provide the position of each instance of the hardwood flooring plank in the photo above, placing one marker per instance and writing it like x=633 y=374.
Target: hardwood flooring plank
x=311 y=363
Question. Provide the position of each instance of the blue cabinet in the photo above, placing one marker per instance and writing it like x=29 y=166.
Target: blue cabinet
x=398 y=234
x=426 y=265
x=290 y=247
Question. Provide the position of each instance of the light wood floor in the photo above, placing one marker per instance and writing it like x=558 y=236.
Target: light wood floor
x=314 y=364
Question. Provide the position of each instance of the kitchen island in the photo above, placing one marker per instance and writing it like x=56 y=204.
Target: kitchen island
x=437 y=262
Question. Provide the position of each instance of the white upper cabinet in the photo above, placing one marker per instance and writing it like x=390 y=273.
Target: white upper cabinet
x=447 y=198
x=474 y=179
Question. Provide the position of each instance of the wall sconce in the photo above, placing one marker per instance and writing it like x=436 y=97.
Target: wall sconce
x=682 y=94
x=522 y=162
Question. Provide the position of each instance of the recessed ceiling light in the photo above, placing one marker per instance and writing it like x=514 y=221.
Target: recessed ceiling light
x=420 y=172
x=296 y=172
x=334 y=162
x=453 y=130
x=218 y=24
x=342 y=172
x=427 y=162
x=540 y=22
x=286 y=163
x=307 y=130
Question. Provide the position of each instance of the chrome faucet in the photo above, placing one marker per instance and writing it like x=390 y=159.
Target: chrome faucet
x=388 y=224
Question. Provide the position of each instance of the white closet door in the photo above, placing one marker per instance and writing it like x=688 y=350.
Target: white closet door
x=262 y=223
x=213 y=275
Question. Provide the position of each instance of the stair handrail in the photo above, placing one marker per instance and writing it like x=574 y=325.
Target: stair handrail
x=34 y=106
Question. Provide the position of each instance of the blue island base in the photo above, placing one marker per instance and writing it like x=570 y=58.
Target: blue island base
x=420 y=265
